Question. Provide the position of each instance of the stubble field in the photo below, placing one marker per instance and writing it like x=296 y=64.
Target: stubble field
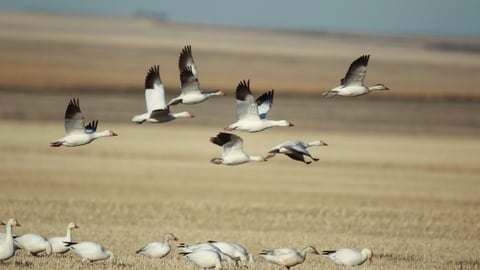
x=400 y=174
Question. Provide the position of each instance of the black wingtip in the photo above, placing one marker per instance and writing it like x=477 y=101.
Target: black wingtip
x=362 y=60
x=242 y=90
x=265 y=96
x=68 y=244
x=184 y=55
x=152 y=77
x=328 y=252
x=221 y=138
x=72 y=108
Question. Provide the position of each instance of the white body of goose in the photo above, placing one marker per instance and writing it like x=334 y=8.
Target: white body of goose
x=252 y=113
x=349 y=256
x=296 y=150
x=287 y=257
x=76 y=132
x=204 y=258
x=234 y=250
x=90 y=251
x=58 y=245
x=190 y=91
x=352 y=84
x=157 y=110
x=185 y=248
x=158 y=249
x=7 y=246
x=232 y=150
x=33 y=243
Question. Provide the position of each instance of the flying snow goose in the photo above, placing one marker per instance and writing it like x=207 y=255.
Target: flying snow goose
x=76 y=131
x=157 y=111
x=204 y=258
x=57 y=242
x=90 y=251
x=352 y=84
x=252 y=113
x=33 y=243
x=348 y=256
x=190 y=86
x=232 y=150
x=7 y=246
x=295 y=150
x=234 y=250
x=287 y=257
x=158 y=249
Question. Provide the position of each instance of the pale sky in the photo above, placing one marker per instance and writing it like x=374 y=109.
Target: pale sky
x=439 y=17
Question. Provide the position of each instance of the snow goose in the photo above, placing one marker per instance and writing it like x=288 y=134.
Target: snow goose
x=348 y=256
x=352 y=84
x=7 y=246
x=76 y=131
x=287 y=257
x=252 y=113
x=295 y=149
x=157 y=111
x=184 y=248
x=158 y=249
x=90 y=251
x=204 y=258
x=57 y=242
x=232 y=150
x=190 y=91
x=33 y=243
x=234 y=250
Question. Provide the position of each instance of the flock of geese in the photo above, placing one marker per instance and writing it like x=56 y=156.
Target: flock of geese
x=252 y=117
x=209 y=254
x=251 y=112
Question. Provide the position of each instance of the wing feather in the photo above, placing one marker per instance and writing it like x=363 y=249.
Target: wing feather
x=74 y=120
x=357 y=71
x=154 y=90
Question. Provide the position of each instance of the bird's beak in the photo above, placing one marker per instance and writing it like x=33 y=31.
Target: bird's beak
x=370 y=260
x=386 y=88
x=114 y=134
x=18 y=224
x=290 y=125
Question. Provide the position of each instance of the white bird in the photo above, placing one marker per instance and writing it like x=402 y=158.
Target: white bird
x=7 y=246
x=57 y=242
x=234 y=250
x=90 y=251
x=76 y=131
x=352 y=84
x=232 y=150
x=158 y=249
x=204 y=258
x=287 y=257
x=33 y=243
x=295 y=150
x=190 y=91
x=157 y=110
x=252 y=113
x=348 y=256
x=184 y=248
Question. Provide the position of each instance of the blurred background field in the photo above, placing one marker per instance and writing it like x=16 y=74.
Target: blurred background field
x=400 y=174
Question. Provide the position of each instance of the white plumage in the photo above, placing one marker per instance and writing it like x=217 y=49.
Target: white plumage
x=58 y=245
x=287 y=257
x=7 y=246
x=90 y=251
x=76 y=132
x=252 y=113
x=158 y=249
x=352 y=84
x=33 y=243
x=349 y=256
x=232 y=150
x=295 y=149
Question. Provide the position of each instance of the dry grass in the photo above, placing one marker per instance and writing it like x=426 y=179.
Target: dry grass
x=412 y=199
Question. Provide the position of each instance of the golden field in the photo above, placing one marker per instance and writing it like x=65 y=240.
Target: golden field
x=400 y=175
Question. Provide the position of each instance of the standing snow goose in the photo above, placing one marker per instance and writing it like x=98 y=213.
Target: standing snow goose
x=158 y=249
x=33 y=243
x=348 y=256
x=57 y=242
x=7 y=246
x=90 y=251
x=76 y=131
x=234 y=250
x=232 y=150
x=204 y=258
x=352 y=84
x=157 y=111
x=287 y=257
x=252 y=113
x=190 y=90
x=295 y=149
